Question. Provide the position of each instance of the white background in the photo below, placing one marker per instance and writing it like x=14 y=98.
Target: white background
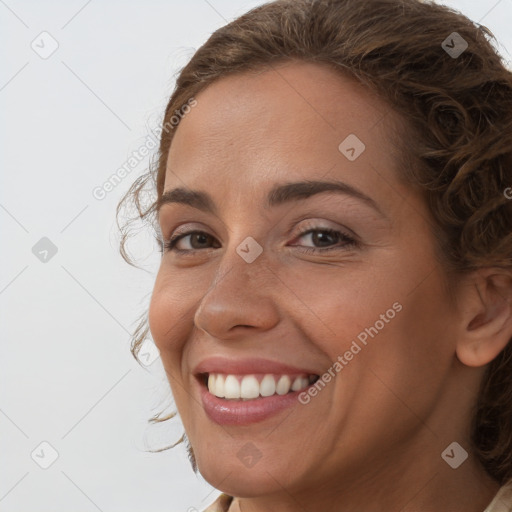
x=67 y=376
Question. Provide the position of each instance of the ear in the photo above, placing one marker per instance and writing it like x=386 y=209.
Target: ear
x=486 y=316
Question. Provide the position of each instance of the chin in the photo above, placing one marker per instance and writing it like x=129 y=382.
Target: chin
x=232 y=478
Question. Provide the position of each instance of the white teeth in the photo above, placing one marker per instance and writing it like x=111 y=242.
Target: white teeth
x=267 y=386
x=218 y=390
x=299 y=383
x=231 y=387
x=283 y=385
x=250 y=388
x=211 y=381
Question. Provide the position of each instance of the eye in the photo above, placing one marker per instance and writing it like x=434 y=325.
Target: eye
x=325 y=238
x=198 y=240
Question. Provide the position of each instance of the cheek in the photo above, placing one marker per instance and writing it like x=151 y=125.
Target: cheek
x=159 y=320
x=334 y=308
x=170 y=328
x=169 y=315
x=411 y=357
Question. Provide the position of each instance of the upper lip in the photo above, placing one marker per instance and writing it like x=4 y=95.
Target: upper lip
x=247 y=367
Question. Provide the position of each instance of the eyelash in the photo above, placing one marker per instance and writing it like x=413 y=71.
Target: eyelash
x=169 y=245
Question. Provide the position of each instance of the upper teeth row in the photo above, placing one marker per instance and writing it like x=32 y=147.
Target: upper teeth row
x=229 y=386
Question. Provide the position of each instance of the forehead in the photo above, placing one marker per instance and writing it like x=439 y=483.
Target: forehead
x=284 y=121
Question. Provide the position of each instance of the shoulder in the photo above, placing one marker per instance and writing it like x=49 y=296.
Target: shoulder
x=221 y=504
x=502 y=502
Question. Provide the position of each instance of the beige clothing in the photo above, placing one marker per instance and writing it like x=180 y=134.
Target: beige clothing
x=502 y=502
x=221 y=504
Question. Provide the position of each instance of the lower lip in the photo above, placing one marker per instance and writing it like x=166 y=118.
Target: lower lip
x=245 y=412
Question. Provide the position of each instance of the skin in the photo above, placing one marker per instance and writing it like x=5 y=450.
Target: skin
x=372 y=438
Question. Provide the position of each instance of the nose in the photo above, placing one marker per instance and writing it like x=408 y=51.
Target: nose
x=240 y=297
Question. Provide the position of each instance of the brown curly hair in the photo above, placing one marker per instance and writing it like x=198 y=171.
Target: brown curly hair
x=455 y=145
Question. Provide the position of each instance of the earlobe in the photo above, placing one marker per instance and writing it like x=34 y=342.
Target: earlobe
x=487 y=317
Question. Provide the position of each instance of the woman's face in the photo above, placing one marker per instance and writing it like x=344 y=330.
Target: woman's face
x=287 y=281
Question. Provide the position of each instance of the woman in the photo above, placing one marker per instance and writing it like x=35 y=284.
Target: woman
x=333 y=305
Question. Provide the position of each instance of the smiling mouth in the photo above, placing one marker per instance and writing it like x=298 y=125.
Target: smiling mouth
x=255 y=386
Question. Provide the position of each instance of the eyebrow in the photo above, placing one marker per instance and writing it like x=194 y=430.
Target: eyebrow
x=278 y=195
